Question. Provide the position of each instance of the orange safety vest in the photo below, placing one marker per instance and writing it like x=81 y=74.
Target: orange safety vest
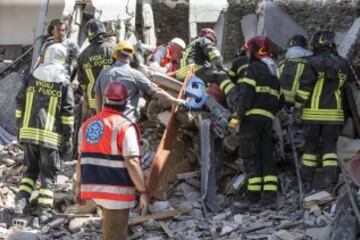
x=103 y=174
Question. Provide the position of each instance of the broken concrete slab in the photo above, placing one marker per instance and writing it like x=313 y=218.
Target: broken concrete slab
x=148 y=23
x=159 y=206
x=319 y=233
x=23 y=236
x=164 y=117
x=276 y=24
x=353 y=98
x=347 y=148
x=317 y=199
x=249 y=26
x=350 y=39
x=6 y=137
x=284 y=235
x=220 y=30
x=9 y=87
x=166 y=82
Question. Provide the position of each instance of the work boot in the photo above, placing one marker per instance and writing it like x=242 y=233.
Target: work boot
x=267 y=201
x=307 y=177
x=20 y=205
x=331 y=177
x=45 y=215
x=250 y=199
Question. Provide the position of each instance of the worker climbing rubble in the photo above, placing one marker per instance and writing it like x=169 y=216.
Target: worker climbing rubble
x=45 y=120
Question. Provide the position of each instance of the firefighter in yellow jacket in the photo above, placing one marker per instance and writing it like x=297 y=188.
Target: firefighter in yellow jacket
x=45 y=119
x=320 y=97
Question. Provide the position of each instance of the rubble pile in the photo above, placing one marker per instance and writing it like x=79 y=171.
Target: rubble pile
x=181 y=216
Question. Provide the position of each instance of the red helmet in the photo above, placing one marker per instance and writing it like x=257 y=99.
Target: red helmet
x=258 y=47
x=115 y=93
x=208 y=33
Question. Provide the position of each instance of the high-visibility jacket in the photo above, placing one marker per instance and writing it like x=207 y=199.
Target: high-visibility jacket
x=198 y=53
x=259 y=92
x=45 y=112
x=96 y=57
x=321 y=86
x=238 y=68
x=291 y=70
x=162 y=55
x=103 y=174
x=237 y=71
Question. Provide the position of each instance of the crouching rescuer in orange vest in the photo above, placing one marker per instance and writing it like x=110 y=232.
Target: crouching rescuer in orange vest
x=109 y=168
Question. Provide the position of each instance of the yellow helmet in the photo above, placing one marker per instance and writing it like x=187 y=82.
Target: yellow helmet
x=125 y=47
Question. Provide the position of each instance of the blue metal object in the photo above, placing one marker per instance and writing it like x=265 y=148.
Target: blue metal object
x=195 y=91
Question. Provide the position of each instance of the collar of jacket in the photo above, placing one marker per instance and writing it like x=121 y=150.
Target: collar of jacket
x=110 y=111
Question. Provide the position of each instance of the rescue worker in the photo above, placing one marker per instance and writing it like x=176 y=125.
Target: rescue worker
x=44 y=111
x=134 y=81
x=239 y=66
x=320 y=97
x=258 y=102
x=57 y=34
x=109 y=163
x=167 y=57
x=292 y=68
x=203 y=55
x=97 y=56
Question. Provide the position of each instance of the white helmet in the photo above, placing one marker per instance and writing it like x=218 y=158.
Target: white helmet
x=179 y=42
x=55 y=53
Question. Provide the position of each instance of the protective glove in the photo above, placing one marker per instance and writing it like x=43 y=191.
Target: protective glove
x=234 y=125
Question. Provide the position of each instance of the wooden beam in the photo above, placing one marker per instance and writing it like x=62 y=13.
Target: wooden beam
x=165 y=159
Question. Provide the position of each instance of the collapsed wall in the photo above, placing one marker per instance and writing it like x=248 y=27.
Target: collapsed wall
x=171 y=18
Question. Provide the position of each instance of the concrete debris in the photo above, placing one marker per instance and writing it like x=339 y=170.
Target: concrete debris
x=249 y=25
x=159 y=206
x=273 y=20
x=317 y=198
x=284 y=235
x=350 y=39
x=164 y=117
x=23 y=236
x=319 y=233
x=347 y=147
x=175 y=178
x=9 y=87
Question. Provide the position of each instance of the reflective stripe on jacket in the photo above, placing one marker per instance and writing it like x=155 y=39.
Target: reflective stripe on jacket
x=104 y=177
x=321 y=87
x=259 y=92
x=291 y=71
x=45 y=112
x=96 y=57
